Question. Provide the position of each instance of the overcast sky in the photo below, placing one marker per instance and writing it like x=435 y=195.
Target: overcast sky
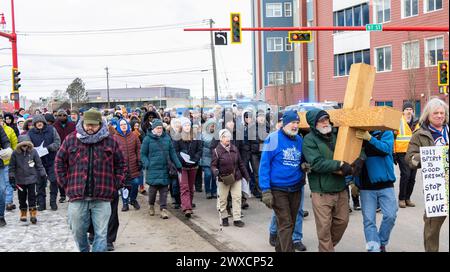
x=52 y=53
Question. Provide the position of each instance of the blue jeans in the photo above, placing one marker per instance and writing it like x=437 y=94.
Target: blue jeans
x=80 y=214
x=133 y=187
x=9 y=189
x=210 y=183
x=3 y=182
x=297 y=236
x=387 y=201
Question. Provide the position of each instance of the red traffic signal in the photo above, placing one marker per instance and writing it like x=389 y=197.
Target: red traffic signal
x=443 y=73
x=236 y=29
x=300 y=36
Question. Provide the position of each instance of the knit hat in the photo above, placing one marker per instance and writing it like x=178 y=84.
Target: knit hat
x=39 y=118
x=62 y=111
x=74 y=112
x=49 y=117
x=185 y=121
x=224 y=133
x=408 y=104
x=321 y=115
x=92 y=117
x=156 y=123
x=290 y=116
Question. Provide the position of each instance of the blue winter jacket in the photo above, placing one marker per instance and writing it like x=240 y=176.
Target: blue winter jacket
x=380 y=167
x=280 y=162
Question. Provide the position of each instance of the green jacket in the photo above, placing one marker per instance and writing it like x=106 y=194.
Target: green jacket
x=154 y=152
x=318 y=151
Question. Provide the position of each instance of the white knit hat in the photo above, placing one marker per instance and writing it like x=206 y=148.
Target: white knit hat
x=185 y=121
x=224 y=133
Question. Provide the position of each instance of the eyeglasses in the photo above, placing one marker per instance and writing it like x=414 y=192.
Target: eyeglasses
x=62 y=115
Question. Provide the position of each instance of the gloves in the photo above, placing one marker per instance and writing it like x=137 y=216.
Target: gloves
x=12 y=182
x=267 y=198
x=364 y=135
x=346 y=169
x=357 y=166
x=5 y=154
x=306 y=167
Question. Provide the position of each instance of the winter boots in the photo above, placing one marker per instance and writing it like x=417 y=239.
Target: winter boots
x=164 y=214
x=23 y=215
x=151 y=211
x=33 y=215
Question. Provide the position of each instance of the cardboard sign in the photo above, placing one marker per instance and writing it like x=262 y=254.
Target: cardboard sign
x=434 y=161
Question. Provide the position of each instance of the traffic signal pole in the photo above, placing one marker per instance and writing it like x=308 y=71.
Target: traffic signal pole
x=13 y=39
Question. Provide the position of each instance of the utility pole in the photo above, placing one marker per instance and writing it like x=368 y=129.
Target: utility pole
x=107 y=86
x=203 y=94
x=213 y=54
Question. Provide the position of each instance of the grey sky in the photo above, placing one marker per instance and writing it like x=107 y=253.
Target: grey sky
x=44 y=68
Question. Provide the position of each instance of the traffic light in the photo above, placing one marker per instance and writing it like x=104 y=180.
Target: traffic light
x=15 y=79
x=443 y=73
x=236 y=29
x=300 y=36
x=14 y=96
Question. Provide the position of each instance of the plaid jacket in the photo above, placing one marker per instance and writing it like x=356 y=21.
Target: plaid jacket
x=71 y=167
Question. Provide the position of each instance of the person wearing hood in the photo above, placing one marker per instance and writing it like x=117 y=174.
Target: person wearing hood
x=9 y=189
x=46 y=138
x=146 y=124
x=20 y=122
x=25 y=169
x=93 y=182
x=131 y=146
x=5 y=154
x=282 y=178
x=27 y=125
x=9 y=121
x=326 y=180
x=64 y=127
x=209 y=132
x=189 y=152
x=156 y=151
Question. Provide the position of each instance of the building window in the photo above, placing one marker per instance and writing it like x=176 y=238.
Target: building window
x=287 y=9
x=410 y=55
x=353 y=16
x=274 y=44
x=384 y=103
x=311 y=70
x=288 y=45
x=275 y=78
x=343 y=62
x=289 y=77
x=433 y=51
x=410 y=8
x=273 y=10
x=432 y=5
x=383 y=58
x=382 y=11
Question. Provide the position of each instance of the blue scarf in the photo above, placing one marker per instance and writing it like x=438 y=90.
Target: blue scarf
x=440 y=137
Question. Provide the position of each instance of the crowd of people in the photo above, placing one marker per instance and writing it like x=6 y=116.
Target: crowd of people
x=95 y=158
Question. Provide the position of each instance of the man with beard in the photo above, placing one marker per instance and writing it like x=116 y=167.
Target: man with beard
x=91 y=183
x=326 y=180
x=281 y=177
x=64 y=127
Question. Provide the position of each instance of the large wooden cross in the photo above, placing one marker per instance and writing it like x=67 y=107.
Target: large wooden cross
x=356 y=114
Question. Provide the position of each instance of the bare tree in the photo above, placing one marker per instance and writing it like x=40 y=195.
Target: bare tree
x=411 y=58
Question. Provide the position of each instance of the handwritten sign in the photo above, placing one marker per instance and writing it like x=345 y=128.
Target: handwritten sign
x=434 y=161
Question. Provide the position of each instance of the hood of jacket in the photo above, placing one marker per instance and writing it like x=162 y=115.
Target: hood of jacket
x=92 y=139
x=312 y=117
x=39 y=118
x=208 y=125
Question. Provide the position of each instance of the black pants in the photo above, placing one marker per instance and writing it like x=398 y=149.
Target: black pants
x=285 y=205
x=113 y=223
x=62 y=192
x=163 y=189
x=407 y=178
x=42 y=184
x=28 y=192
x=199 y=180
x=255 y=159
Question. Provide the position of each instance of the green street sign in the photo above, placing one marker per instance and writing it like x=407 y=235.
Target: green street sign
x=374 y=27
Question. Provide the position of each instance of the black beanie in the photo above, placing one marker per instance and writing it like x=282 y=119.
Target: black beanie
x=408 y=104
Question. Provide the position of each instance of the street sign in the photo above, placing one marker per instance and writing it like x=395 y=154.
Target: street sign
x=220 y=38
x=374 y=27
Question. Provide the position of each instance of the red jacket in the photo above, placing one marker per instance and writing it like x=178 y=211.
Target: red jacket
x=131 y=149
x=64 y=131
x=71 y=168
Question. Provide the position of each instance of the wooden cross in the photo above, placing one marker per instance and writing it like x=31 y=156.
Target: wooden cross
x=356 y=114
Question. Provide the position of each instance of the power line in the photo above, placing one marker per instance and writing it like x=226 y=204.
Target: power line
x=110 y=30
x=164 y=51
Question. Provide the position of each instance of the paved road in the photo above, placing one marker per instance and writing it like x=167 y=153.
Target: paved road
x=140 y=232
